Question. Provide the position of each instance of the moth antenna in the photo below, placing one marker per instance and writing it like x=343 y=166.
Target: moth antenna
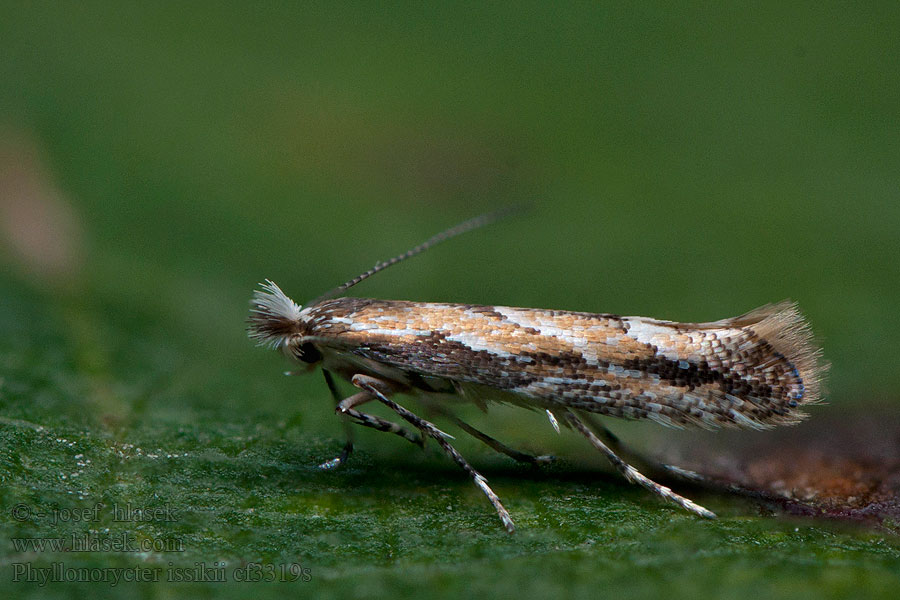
x=464 y=227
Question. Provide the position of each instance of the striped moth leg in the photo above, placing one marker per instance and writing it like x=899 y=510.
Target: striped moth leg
x=654 y=465
x=372 y=385
x=663 y=469
x=347 y=407
x=632 y=474
x=499 y=446
x=340 y=459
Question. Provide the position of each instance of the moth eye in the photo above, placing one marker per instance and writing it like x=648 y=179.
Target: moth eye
x=307 y=353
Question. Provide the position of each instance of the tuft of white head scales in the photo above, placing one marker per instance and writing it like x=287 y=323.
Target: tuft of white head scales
x=274 y=317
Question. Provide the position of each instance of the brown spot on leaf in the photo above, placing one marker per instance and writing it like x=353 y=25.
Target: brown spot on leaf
x=841 y=466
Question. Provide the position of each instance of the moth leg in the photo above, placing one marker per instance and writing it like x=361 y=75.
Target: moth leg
x=616 y=444
x=371 y=384
x=346 y=407
x=348 y=432
x=632 y=474
x=500 y=447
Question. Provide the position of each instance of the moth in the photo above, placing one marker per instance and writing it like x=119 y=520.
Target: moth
x=756 y=371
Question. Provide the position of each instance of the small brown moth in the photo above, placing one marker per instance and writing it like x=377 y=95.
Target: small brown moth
x=753 y=371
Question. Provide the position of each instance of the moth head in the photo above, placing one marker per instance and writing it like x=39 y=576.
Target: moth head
x=277 y=321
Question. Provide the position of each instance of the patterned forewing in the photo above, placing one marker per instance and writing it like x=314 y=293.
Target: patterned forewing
x=709 y=374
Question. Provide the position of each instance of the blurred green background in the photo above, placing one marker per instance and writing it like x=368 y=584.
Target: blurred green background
x=685 y=161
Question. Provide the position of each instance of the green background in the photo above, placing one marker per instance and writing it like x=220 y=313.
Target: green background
x=686 y=161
